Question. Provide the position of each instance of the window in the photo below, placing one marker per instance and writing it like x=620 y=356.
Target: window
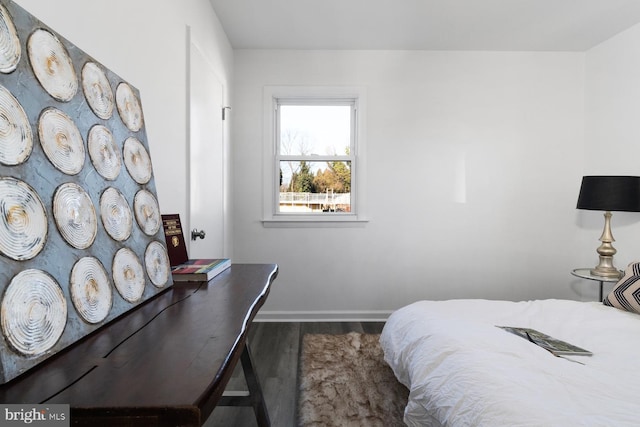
x=315 y=156
x=314 y=146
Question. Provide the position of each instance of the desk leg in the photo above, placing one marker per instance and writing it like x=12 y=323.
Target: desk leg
x=257 y=399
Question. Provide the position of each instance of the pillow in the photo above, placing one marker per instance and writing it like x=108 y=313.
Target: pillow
x=626 y=293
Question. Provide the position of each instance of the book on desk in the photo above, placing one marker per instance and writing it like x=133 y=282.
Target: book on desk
x=184 y=269
x=198 y=270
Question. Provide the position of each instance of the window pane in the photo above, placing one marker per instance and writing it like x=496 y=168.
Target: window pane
x=315 y=130
x=315 y=186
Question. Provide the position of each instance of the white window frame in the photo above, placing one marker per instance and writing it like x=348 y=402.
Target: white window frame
x=312 y=95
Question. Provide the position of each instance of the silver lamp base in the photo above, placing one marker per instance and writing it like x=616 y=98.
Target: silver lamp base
x=606 y=251
x=602 y=270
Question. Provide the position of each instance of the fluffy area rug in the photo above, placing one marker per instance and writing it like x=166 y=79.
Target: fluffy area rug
x=344 y=382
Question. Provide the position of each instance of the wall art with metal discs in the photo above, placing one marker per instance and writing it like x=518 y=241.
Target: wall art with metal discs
x=81 y=240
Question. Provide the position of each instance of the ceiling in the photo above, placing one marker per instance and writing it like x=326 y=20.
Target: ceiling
x=521 y=25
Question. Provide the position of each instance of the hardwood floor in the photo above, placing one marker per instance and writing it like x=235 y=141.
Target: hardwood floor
x=275 y=349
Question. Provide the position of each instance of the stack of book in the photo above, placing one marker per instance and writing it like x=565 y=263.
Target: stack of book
x=198 y=270
x=184 y=269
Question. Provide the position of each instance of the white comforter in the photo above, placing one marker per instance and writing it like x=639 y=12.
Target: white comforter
x=463 y=371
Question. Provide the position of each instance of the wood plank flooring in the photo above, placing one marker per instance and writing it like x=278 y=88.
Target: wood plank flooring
x=275 y=348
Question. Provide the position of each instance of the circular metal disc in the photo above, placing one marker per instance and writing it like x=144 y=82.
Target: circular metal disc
x=61 y=141
x=137 y=160
x=10 y=50
x=90 y=290
x=52 y=65
x=128 y=275
x=23 y=220
x=147 y=211
x=129 y=107
x=34 y=312
x=116 y=214
x=97 y=90
x=16 y=138
x=75 y=215
x=156 y=260
x=104 y=152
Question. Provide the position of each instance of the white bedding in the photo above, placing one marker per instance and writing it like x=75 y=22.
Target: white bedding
x=463 y=371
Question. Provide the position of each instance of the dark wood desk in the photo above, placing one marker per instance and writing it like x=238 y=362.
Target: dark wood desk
x=165 y=363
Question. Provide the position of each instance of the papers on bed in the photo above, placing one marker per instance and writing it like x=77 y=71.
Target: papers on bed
x=552 y=345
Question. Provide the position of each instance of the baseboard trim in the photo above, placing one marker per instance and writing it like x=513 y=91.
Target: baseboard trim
x=323 y=316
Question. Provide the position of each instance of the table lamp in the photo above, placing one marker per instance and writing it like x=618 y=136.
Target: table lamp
x=609 y=193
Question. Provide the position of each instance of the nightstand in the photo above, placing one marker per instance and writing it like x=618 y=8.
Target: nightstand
x=585 y=273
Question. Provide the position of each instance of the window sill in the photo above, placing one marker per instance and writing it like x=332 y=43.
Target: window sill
x=313 y=221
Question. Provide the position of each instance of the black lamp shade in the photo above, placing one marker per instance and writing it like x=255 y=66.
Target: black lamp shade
x=610 y=193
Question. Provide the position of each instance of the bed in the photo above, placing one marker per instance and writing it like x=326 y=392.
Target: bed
x=461 y=370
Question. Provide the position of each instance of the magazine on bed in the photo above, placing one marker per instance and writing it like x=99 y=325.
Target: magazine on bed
x=553 y=345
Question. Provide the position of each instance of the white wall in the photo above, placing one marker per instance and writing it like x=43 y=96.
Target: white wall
x=514 y=121
x=612 y=134
x=145 y=43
